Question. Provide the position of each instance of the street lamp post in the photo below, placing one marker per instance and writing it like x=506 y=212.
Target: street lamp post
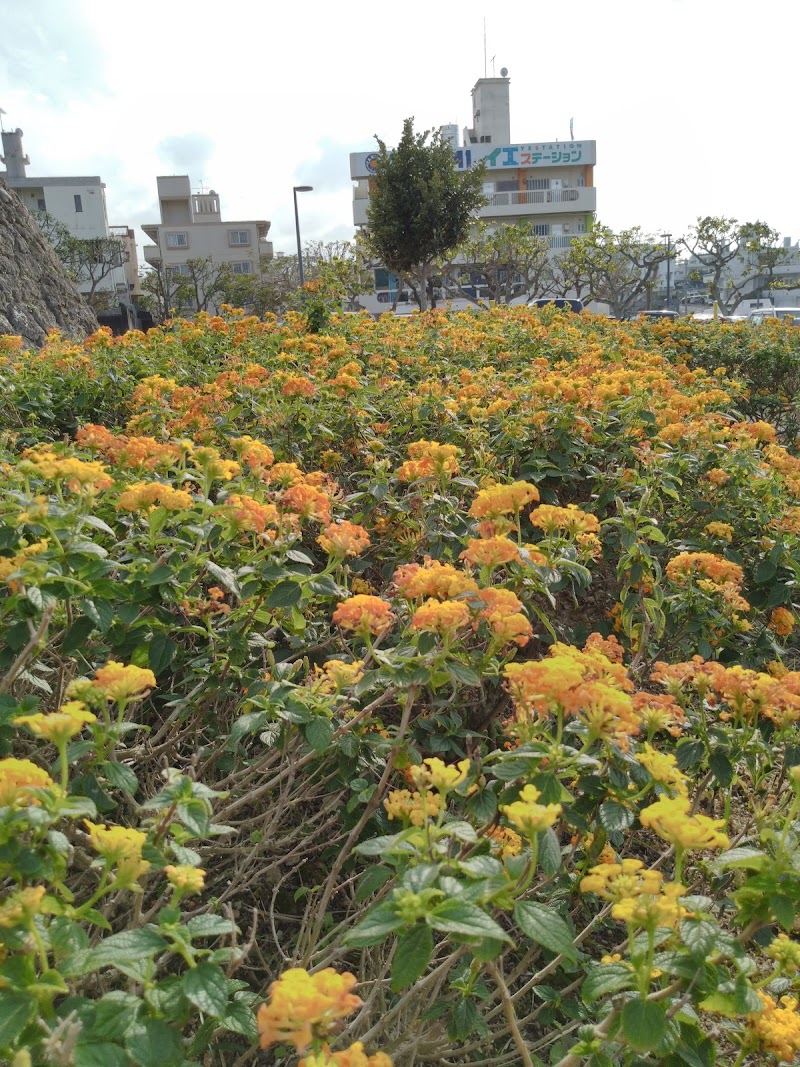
x=668 y=236
x=295 y=190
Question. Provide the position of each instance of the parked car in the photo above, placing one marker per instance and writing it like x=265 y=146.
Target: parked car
x=762 y=314
x=562 y=303
x=663 y=314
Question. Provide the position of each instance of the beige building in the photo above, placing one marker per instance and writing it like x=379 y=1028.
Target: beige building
x=191 y=227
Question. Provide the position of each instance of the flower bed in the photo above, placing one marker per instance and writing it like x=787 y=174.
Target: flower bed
x=424 y=692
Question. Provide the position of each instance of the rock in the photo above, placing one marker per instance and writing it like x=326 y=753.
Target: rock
x=36 y=293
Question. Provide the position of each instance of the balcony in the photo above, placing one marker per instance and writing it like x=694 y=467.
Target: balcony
x=539 y=202
x=152 y=254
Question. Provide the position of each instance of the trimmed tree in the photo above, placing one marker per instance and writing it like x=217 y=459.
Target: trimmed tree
x=421 y=208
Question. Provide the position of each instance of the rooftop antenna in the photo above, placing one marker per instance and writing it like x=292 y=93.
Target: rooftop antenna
x=493 y=59
x=2 y=127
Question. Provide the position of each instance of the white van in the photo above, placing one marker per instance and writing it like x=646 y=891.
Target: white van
x=755 y=318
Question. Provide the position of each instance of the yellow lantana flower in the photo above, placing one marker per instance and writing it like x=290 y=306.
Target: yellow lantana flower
x=527 y=815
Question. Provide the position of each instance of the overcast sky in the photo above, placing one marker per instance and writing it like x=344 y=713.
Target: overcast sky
x=693 y=103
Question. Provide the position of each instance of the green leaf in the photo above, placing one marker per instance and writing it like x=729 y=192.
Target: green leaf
x=154 y=1044
x=546 y=927
x=765 y=572
x=115 y=1013
x=239 y=1019
x=783 y=910
x=412 y=954
x=210 y=926
x=614 y=816
x=373 y=928
x=100 y=1054
x=207 y=988
x=121 y=777
x=605 y=979
x=76 y=635
x=549 y=851
x=16 y=1011
x=225 y=577
x=459 y=672
x=284 y=595
x=126 y=947
x=699 y=936
x=465 y=1019
x=161 y=653
x=743 y=856
x=101 y=612
x=466 y=921
x=644 y=1023
x=318 y=733
x=160 y=574
x=371 y=881
x=721 y=767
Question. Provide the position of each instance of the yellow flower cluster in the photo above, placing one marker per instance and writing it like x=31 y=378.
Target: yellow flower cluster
x=20 y=907
x=303 y=1006
x=500 y=500
x=146 y=495
x=79 y=475
x=120 y=847
x=786 y=954
x=722 y=530
x=11 y=564
x=335 y=675
x=17 y=778
x=186 y=880
x=349 y=1057
x=435 y=774
x=551 y=519
x=442 y=581
x=116 y=681
x=777 y=1029
x=527 y=815
x=412 y=807
x=59 y=726
x=663 y=768
x=640 y=897
x=671 y=819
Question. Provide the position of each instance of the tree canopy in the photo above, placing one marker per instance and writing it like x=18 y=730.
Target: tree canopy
x=421 y=207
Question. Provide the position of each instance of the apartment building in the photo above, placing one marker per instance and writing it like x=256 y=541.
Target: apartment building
x=192 y=227
x=79 y=203
x=547 y=184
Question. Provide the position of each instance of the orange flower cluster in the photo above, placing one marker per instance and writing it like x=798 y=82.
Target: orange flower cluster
x=581 y=683
x=429 y=459
x=688 y=565
x=433 y=579
x=503 y=613
x=125 y=451
x=443 y=617
x=251 y=515
x=364 y=614
x=341 y=539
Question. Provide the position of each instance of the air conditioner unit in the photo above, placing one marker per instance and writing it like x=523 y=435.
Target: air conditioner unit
x=565 y=228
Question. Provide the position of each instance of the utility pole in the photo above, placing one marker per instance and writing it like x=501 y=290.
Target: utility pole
x=668 y=236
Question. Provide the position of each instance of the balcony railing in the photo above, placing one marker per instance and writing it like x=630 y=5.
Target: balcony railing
x=534 y=196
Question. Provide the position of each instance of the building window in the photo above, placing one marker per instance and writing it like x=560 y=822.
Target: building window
x=180 y=269
x=580 y=226
x=245 y=267
x=239 y=237
x=537 y=183
x=178 y=240
x=541 y=229
x=381 y=278
x=78 y=202
x=41 y=205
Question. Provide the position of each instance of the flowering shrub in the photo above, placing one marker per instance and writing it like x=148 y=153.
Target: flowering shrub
x=420 y=691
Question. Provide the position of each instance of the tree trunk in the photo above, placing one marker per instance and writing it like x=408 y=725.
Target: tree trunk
x=422 y=293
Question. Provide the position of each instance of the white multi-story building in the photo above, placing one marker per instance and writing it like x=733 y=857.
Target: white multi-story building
x=79 y=203
x=547 y=184
x=191 y=227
